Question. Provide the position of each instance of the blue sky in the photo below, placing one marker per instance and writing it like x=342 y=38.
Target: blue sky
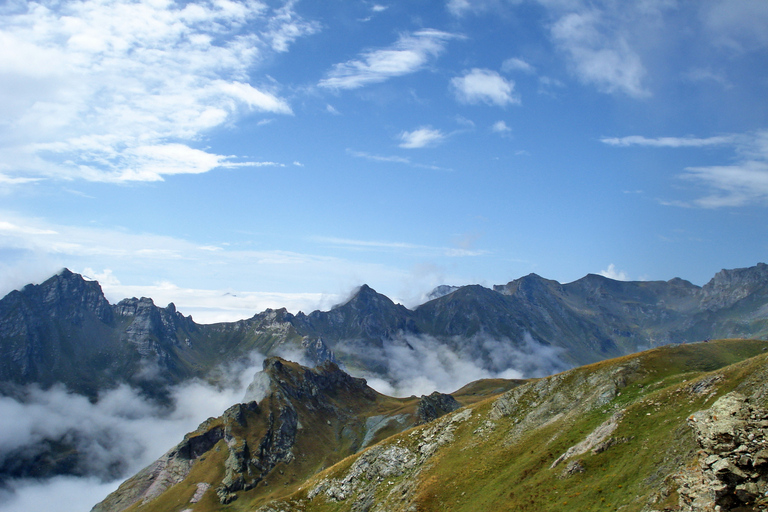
x=235 y=155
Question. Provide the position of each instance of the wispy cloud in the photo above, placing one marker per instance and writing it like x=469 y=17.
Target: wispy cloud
x=395 y=159
x=36 y=249
x=668 y=142
x=211 y=305
x=514 y=64
x=421 y=137
x=485 y=86
x=730 y=185
x=737 y=24
x=600 y=56
x=122 y=90
x=285 y=27
x=409 y=54
x=741 y=183
x=398 y=246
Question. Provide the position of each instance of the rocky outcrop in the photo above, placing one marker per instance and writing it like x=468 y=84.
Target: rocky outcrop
x=369 y=483
x=731 y=286
x=152 y=329
x=731 y=471
x=435 y=405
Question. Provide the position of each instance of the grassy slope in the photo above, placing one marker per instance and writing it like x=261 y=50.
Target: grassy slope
x=503 y=469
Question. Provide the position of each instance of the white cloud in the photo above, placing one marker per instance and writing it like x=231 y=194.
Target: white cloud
x=398 y=246
x=119 y=90
x=613 y=273
x=285 y=27
x=394 y=159
x=409 y=54
x=121 y=432
x=419 y=365
x=485 y=86
x=500 y=127
x=514 y=64
x=731 y=185
x=668 y=142
x=421 y=137
x=213 y=306
x=209 y=284
x=458 y=7
x=741 y=183
x=600 y=56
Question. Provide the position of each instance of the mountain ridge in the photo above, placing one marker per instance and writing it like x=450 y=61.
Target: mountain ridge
x=678 y=428
x=45 y=329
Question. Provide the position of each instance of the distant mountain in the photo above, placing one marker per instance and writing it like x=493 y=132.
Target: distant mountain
x=675 y=428
x=65 y=331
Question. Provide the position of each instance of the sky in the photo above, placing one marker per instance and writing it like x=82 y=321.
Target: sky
x=231 y=156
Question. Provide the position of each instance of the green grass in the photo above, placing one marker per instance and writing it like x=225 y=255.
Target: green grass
x=504 y=469
x=494 y=474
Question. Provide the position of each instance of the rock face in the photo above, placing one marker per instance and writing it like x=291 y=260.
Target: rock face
x=435 y=405
x=64 y=331
x=305 y=420
x=732 y=470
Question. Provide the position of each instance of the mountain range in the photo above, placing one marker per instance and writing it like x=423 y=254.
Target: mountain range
x=65 y=331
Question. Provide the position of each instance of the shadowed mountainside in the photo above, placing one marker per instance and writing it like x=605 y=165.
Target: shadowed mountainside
x=65 y=331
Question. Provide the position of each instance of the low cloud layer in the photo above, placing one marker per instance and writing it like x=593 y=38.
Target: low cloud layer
x=419 y=365
x=119 y=434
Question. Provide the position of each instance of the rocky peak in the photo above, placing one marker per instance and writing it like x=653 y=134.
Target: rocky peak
x=730 y=286
x=529 y=287
x=68 y=296
x=367 y=299
x=435 y=405
x=368 y=315
x=301 y=383
x=152 y=329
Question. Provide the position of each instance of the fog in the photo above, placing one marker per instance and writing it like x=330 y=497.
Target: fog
x=419 y=365
x=119 y=434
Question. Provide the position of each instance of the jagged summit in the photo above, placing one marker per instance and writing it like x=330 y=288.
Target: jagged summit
x=64 y=330
x=299 y=382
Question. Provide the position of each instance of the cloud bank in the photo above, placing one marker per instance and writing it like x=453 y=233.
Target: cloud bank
x=419 y=365
x=119 y=434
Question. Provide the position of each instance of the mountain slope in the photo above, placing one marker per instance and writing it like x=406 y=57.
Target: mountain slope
x=675 y=428
x=299 y=422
